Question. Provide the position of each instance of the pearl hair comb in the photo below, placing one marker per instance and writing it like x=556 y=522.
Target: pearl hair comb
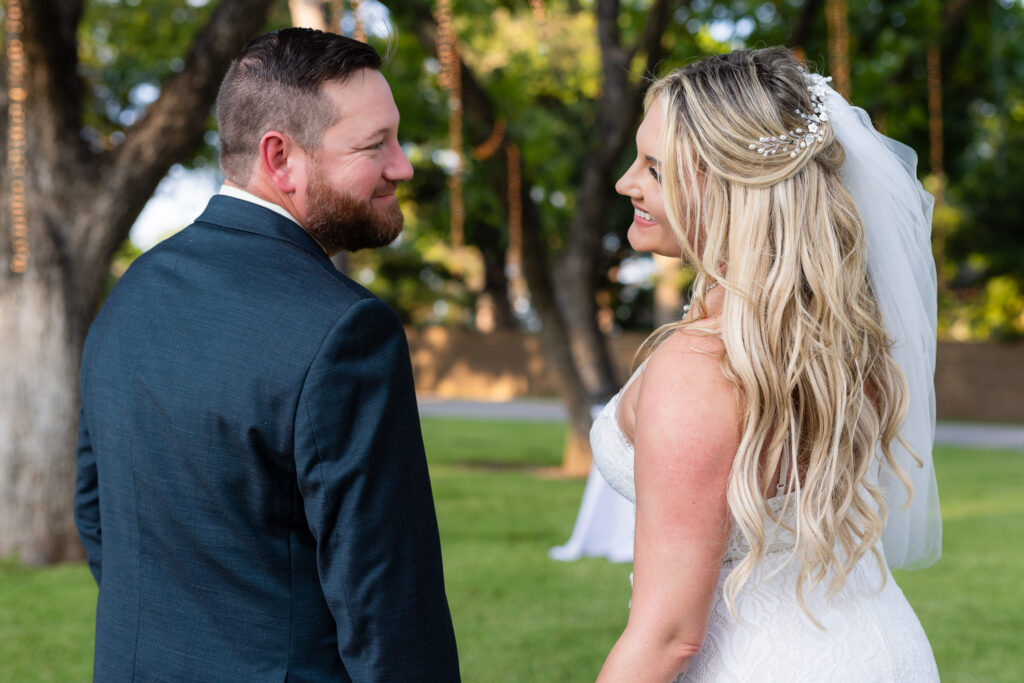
x=801 y=138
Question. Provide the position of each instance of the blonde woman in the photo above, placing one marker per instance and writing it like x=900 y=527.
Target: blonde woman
x=777 y=440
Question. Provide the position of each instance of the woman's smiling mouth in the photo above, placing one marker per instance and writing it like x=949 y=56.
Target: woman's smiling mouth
x=642 y=216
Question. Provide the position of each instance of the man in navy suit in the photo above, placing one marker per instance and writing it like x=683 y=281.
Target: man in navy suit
x=252 y=489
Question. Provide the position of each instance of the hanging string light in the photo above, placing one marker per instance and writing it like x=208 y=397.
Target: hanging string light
x=336 y=8
x=514 y=253
x=935 y=152
x=486 y=149
x=538 y=10
x=517 y=288
x=935 y=112
x=451 y=80
x=16 y=137
x=359 y=33
x=837 y=16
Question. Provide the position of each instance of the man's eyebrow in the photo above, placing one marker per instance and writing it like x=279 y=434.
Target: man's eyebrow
x=651 y=160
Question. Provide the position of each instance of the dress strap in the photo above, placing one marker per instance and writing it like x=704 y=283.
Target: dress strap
x=639 y=371
x=783 y=475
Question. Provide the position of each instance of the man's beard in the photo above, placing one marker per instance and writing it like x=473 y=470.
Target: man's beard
x=339 y=221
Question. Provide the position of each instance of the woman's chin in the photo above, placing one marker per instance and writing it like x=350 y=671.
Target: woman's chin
x=651 y=239
x=642 y=238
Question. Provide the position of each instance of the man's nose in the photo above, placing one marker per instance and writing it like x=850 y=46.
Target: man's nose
x=399 y=169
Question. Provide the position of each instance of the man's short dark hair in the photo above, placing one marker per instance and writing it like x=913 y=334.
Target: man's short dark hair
x=276 y=83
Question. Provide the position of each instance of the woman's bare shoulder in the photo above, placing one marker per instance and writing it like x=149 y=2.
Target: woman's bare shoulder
x=685 y=396
x=689 y=356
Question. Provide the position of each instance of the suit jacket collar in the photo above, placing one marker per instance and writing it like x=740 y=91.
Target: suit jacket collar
x=238 y=214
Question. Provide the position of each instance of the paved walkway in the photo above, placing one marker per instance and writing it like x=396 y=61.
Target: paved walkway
x=527 y=409
x=550 y=410
x=980 y=434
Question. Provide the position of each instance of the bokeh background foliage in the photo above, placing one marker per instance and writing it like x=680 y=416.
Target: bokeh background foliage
x=543 y=73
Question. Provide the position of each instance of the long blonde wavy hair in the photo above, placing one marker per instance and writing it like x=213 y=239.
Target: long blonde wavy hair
x=802 y=331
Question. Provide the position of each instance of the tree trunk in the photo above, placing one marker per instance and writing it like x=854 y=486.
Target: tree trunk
x=555 y=341
x=576 y=278
x=479 y=112
x=576 y=275
x=618 y=113
x=805 y=24
x=39 y=360
x=80 y=207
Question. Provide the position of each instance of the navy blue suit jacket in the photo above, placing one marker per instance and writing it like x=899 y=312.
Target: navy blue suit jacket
x=252 y=490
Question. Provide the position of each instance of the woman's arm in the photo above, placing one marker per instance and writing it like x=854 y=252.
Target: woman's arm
x=685 y=439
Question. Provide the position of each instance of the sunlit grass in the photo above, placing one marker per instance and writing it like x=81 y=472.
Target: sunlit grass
x=46 y=623
x=522 y=617
x=970 y=601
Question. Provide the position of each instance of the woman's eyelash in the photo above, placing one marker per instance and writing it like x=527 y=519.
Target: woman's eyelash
x=654 y=173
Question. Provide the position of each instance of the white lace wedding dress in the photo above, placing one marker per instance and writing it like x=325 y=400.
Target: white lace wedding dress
x=870 y=635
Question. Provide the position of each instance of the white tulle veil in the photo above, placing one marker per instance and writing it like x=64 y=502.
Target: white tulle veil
x=880 y=175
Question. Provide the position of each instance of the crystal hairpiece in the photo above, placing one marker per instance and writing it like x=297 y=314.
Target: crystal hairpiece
x=801 y=138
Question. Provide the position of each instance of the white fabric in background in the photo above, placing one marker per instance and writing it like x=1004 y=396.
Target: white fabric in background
x=604 y=525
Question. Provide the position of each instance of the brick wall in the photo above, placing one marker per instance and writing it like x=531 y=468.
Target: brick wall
x=972 y=381
x=982 y=381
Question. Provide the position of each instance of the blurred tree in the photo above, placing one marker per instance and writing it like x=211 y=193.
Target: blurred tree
x=561 y=80
x=965 y=131
x=564 y=79
x=554 y=86
x=101 y=117
x=983 y=257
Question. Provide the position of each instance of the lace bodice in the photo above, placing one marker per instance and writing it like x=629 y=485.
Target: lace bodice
x=613 y=454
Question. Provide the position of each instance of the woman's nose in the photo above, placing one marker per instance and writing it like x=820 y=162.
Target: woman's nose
x=625 y=185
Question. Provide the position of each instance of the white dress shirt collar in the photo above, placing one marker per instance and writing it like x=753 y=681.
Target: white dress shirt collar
x=239 y=193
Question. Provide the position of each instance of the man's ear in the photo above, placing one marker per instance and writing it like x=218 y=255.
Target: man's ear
x=278 y=156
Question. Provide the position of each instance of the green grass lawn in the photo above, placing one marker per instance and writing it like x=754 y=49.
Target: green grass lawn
x=971 y=602
x=521 y=617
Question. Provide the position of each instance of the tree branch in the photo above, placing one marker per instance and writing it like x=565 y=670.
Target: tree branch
x=649 y=42
x=651 y=45
x=613 y=57
x=955 y=12
x=618 y=111
x=54 y=89
x=805 y=24
x=171 y=128
x=618 y=92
